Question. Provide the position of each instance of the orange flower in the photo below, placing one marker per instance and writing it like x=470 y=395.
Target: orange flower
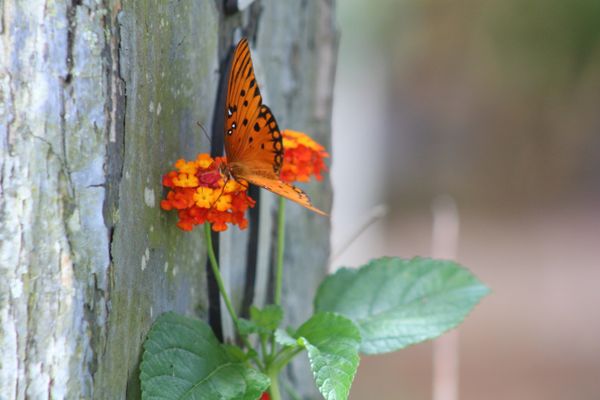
x=302 y=157
x=200 y=193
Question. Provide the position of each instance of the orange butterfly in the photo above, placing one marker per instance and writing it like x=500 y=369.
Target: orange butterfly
x=253 y=142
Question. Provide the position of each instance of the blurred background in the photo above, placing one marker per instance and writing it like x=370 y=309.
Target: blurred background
x=494 y=105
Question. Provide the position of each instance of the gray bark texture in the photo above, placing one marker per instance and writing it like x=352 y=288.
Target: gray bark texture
x=98 y=98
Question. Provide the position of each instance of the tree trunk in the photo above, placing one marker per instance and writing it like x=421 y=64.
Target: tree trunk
x=97 y=100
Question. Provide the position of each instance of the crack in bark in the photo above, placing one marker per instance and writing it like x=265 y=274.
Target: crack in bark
x=114 y=107
x=52 y=151
x=1 y=17
x=72 y=25
x=66 y=86
x=14 y=318
x=8 y=102
x=10 y=111
x=93 y=294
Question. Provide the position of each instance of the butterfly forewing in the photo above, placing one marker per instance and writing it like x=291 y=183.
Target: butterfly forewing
x=251 y=132
x=253 y=141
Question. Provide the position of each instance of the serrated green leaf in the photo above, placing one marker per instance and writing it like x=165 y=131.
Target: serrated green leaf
x=396 y=303
x=267 y=319
x=235 y=352
x=332 y=343
x=246 y=327
x=184 y=360
x=284 y=338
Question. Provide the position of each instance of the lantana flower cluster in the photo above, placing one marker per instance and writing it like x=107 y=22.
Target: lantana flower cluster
x=200 y=193
x=302 y=158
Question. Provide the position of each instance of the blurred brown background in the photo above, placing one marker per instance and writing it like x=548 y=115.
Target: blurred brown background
x=494 y=103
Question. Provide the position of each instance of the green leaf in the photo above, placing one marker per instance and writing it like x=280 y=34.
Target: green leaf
x=235 y=352
x=396 y=303
x=284 y=338
x=246 y=327
x=267 y=319
x=332 y=343
x=184 y=360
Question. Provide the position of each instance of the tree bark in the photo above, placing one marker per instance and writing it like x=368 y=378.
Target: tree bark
x=97 y=100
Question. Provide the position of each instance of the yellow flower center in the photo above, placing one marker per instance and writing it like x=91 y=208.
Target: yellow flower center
x=204 y=160
x=204 y=197
x=186 y=167
x=223 y=203
x=185 y=180
x=232 y=186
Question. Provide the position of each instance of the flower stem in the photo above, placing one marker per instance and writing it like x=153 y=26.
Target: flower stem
x=280 y=248
x=217 y=273
x=279 y=262
x=274 y=393
x=284 y=357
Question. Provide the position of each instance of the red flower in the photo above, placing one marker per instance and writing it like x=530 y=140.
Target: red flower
x=302 y=157
x=265 y=396
x=200 y=194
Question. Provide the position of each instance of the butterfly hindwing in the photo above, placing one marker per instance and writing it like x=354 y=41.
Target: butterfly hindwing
x=277 y=186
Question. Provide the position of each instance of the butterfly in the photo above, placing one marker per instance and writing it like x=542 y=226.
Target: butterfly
x=253 y=141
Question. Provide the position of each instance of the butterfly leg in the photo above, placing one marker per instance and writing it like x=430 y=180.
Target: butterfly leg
x=243 y=183
x=222 y=191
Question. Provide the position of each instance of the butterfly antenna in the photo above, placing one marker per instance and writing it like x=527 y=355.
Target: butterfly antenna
x=204 y=131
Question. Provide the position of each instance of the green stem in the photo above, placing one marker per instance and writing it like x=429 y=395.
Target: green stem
x=274 y=389
x=276 y=365
x=280 y=248
x=217 y=273
x=277 y=362
x=284 y=357
x=263 y=348
x=279 y=261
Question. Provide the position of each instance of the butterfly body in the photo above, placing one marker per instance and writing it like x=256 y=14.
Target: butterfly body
x=253 y=141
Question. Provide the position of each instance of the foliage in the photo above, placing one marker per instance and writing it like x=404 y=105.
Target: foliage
x=380 y=307
x=396 y=303
x=184 y=360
